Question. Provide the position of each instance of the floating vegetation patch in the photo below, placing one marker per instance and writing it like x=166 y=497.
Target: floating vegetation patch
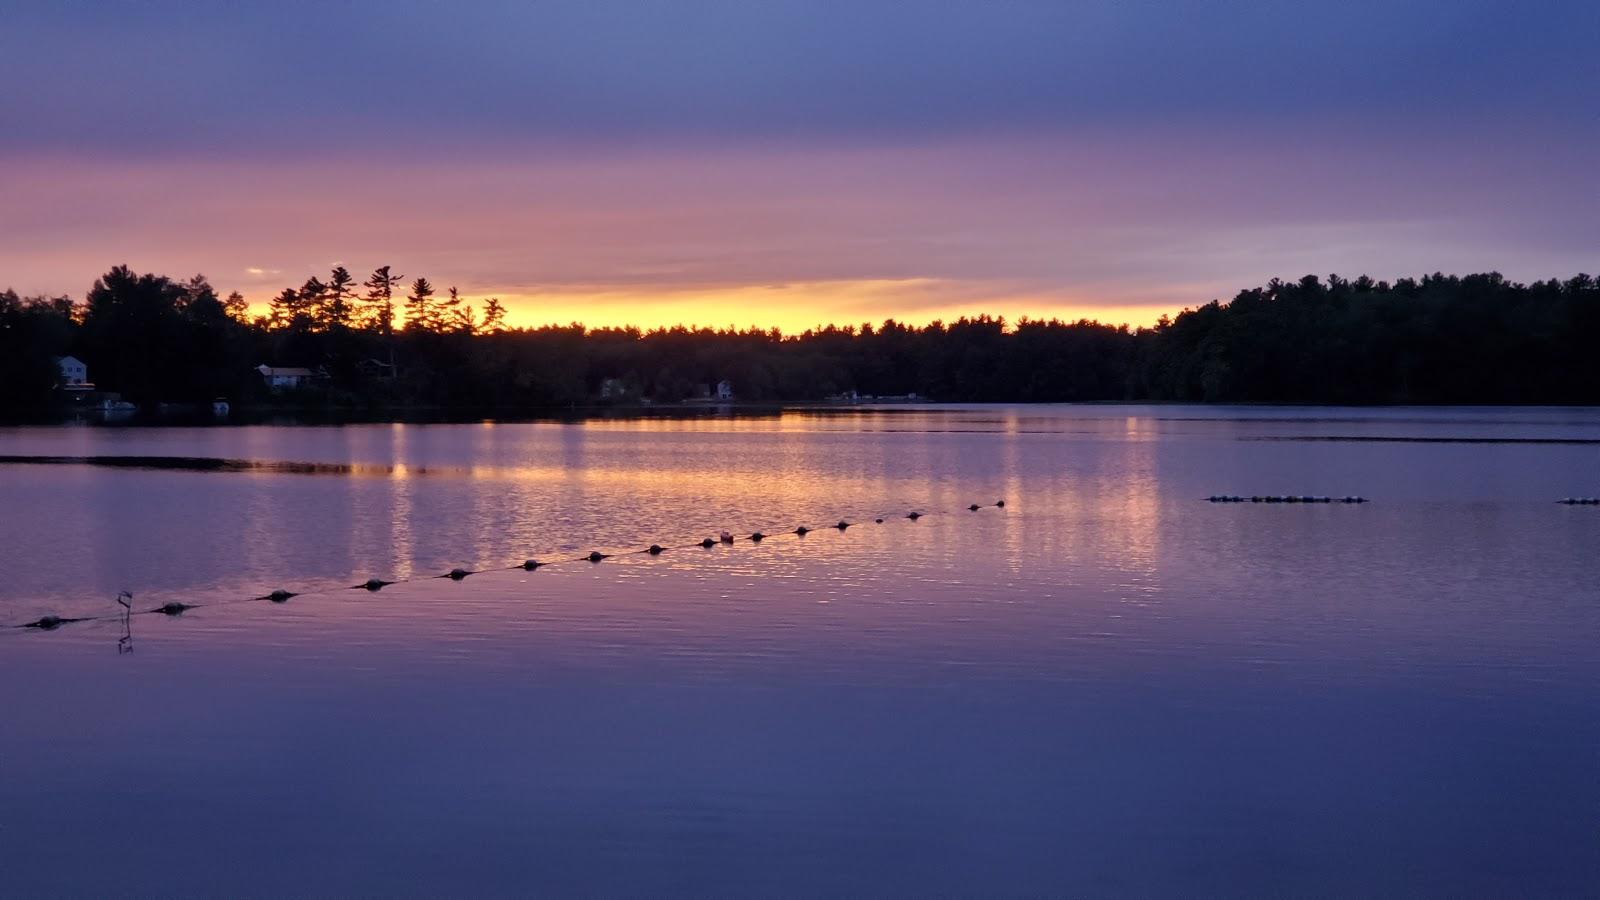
x=1281 y=498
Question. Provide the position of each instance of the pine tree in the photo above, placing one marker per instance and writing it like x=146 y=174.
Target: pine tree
x=286 y=309
x=379 y=312
x=197 y=290
x=421 y=310
x=494 y=316
x=339 y=306
x=454 y=314
x=313 y=294
x=236 y=307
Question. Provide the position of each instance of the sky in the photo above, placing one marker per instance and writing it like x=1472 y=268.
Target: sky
x=776 y=163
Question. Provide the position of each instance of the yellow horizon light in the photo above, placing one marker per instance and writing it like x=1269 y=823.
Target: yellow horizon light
x=793 y=308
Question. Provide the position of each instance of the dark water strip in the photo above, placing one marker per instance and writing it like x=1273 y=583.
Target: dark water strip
x=218 y=464
x=1395 y=439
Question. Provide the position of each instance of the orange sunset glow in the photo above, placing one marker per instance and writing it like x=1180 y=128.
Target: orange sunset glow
x=790 y=308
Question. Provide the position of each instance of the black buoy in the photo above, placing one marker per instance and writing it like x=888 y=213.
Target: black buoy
x=374 y=584
x=878 y=520
x=655 y=550
x=708 y=543
x=842 y=525
x=802 y=531
x=48 y=623
x=530 y=564
x=596 y=556
x=280 y=595
x=974 y=507
x=913 y=515
x=457 y=574
x=172 y=609
x=1000 y=503
x=757 y=537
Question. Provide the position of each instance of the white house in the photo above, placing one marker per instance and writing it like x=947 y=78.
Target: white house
x=280 y=378
x=74 y=374
x=724 y=390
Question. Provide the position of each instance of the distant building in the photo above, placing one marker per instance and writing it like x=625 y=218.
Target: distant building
x=613 y=389
x=74 y=375
x=280 y=378
x=375 y=369
x=724 y=390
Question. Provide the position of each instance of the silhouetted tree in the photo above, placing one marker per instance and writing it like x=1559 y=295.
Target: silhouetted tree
x=456 y=314
x=235 y=306
x=422 y=310
x=33 y=332
x=1434 y=339
x=378 y=314
x=313 y=300
x=284 y=308
x=338 y=309
x=494 y=316
x=156 y=340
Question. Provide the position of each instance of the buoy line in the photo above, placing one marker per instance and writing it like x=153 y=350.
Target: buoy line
x=724 y=538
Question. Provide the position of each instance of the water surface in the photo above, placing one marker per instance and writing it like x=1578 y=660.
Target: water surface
x=1106 y=687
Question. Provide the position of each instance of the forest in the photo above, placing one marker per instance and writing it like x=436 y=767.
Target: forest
x=387 y=344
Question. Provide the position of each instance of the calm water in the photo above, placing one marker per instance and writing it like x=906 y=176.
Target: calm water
x=1107 y=687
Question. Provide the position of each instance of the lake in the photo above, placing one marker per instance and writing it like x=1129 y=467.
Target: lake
x=1108 y=686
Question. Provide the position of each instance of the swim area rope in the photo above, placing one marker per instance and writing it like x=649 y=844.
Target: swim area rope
x=125 y=598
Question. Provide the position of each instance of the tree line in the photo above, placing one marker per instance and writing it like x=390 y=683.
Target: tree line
x=1437 y=339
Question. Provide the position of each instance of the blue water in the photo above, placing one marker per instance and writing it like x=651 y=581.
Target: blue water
x=1107 y=687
